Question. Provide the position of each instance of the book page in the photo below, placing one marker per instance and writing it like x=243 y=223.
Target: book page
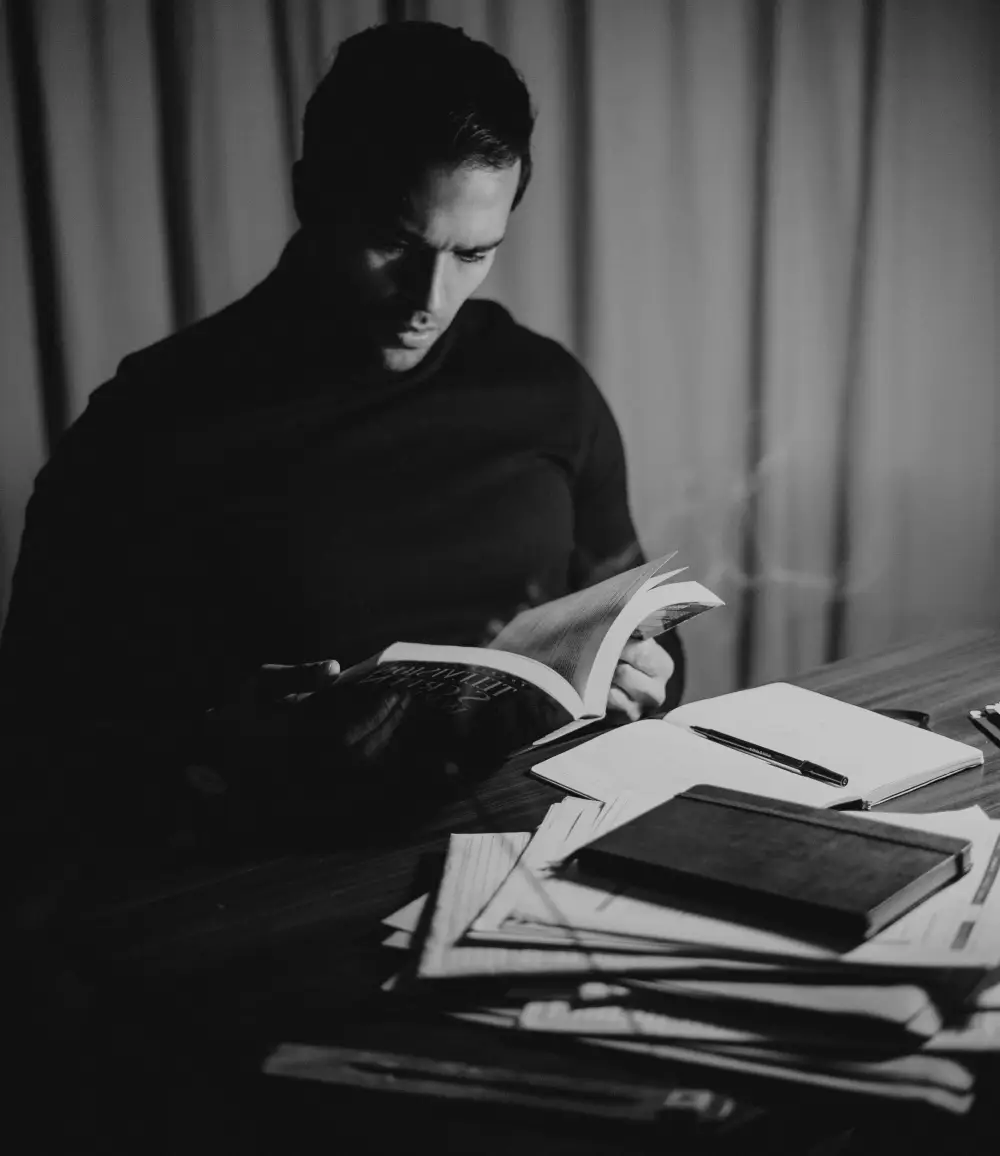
x=659 y=761
x=880 y=756
x=654 y=609
x=566 y=633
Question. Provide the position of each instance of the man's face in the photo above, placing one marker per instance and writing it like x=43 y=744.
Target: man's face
x=409 y=277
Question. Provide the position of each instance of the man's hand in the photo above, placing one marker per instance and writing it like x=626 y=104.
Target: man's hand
x=270 y=708
x=274 y=681
x=640 y=681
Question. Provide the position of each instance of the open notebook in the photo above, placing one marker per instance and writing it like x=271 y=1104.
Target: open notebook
x=881 y=757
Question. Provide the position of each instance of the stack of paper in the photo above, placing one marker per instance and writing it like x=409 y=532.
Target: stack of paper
x=511 y=940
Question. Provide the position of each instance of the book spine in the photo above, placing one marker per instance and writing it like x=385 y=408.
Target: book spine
x=919 y=889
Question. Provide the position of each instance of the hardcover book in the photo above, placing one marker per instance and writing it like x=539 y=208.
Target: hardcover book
x=807 y=867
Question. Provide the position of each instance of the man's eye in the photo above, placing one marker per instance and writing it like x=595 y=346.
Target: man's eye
x=472 y=258
x=387 y=243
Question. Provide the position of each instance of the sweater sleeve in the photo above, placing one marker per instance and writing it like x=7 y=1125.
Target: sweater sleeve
x=95 y=634
x=85 y=677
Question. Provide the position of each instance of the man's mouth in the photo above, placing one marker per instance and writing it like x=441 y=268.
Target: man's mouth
x=414 y=338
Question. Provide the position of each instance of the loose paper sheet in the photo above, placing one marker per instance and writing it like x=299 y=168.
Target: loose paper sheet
x=951 y=1092
x=980 y=1034
x=957 y=927
x=988 y=998
x=562 y=1017
x=407 y=918
x=475 y=867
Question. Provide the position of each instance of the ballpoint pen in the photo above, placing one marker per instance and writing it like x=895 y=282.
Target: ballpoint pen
x=803 y=767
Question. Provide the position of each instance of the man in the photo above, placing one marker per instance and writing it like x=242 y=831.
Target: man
x=353 y=453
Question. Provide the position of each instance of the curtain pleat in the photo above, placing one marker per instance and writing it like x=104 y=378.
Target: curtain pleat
x=23 y=439
x=769 y=229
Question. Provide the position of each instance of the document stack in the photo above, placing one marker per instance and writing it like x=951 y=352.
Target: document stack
x=513 y=938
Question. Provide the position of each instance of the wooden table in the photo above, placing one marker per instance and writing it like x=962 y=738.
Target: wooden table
x=194 y=974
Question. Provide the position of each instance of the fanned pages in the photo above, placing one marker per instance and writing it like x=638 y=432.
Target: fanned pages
x=549 y=668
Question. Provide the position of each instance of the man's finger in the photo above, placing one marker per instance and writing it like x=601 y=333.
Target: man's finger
x=643 y=690
x=620 y=702
x=647 y=656
x=278 y=680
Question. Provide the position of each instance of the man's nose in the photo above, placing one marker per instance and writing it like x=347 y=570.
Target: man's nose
x=426 y=286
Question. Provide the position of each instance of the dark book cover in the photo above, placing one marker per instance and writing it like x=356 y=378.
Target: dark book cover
x=778 y=862
x=424 y=714
x=455 y=688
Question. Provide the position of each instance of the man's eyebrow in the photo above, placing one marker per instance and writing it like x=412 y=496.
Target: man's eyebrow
x=479 y=248
x=418 y=239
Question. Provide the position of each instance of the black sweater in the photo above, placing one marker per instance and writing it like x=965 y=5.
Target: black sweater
x=234 y=497
x=241 y=493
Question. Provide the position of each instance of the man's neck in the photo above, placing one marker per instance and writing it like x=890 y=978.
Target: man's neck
x=325 y=316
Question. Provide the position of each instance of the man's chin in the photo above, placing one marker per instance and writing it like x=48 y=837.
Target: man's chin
x=398 y=359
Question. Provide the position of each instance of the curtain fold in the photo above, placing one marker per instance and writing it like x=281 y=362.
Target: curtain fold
x=769 y=229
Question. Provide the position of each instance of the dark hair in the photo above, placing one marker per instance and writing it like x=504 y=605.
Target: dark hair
x=402 y=96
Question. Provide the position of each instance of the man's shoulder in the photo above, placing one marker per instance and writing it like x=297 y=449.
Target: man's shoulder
x=494 y=329
x=156 y=389
x=223 y=342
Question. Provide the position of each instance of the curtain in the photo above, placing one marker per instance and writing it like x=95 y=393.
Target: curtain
x=769 y=229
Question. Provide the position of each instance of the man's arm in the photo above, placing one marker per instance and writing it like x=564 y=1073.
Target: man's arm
x=100 y=630
x=132 y=719
x=92 y=692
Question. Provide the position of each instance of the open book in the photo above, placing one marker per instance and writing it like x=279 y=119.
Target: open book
x=880 y=757
x=559 y=657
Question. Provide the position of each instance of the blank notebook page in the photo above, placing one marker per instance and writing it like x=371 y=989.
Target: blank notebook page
x=880 y=756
